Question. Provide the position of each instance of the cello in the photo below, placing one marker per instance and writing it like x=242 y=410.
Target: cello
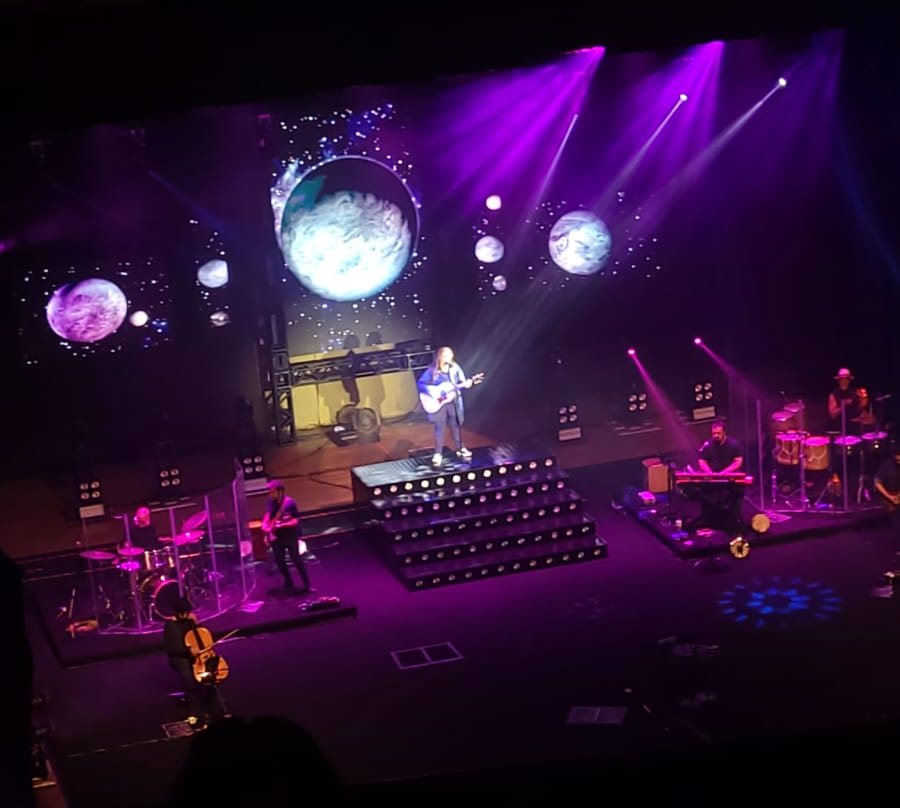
x=210 y=667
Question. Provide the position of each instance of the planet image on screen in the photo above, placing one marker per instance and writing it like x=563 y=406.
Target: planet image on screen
x=87 y=311
x=349 y=228
x=489 y=249
x=213 y=274
x=579 y=243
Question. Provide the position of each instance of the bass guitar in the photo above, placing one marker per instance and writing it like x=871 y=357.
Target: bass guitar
x=436 y=395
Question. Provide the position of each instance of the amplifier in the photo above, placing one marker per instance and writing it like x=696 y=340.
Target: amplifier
x=656 y=476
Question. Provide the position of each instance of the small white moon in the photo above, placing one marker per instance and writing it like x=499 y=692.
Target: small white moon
x=219 y=318
x=213 y=274
x=499 y=283
x=489 y=249
x=139 y=319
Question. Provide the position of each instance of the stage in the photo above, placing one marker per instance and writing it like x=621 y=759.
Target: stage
x=567 y=664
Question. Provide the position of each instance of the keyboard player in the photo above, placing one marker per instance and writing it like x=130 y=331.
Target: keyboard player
x=720 y=505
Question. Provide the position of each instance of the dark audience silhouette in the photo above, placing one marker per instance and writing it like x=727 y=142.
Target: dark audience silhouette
x=267 y=760
x=15 y=738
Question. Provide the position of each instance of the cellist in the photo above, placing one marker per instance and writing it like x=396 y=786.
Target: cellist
x=204 y=703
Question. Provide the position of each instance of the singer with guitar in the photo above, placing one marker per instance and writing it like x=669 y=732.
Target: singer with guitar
x=282 y=529
x=441 y=388
x=183 y=638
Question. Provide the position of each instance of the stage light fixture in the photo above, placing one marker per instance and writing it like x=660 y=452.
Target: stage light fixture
x=168 y=480
x=637 y=403
x=631 y=351
x=703 y=401
x=568 y=427
x=698 y=341
x=253 y=467
x=683 y=97
x=89 y=497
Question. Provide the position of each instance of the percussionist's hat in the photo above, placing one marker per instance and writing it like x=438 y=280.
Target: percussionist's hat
x=844 y=373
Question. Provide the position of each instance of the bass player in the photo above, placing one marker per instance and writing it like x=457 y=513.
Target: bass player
x=282 y=529
x=442 y=384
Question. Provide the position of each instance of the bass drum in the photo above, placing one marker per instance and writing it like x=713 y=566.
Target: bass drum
x=157 y=593
x=165 y=596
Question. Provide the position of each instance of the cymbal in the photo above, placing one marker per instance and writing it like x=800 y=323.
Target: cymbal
x=131 y=551
x=97 y=555
x=129 y=566
x=189 y=537
x=194 y=521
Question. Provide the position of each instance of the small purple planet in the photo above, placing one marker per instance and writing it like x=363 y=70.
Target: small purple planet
x=87 y=311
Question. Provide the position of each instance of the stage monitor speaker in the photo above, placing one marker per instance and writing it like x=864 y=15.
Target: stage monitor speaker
x=656 y=476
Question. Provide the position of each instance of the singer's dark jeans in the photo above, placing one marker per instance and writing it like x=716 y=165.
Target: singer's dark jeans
x=444 y=417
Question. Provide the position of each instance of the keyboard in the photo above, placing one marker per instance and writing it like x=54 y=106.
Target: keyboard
x=699 y=477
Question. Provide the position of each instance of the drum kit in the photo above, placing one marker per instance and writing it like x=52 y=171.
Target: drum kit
x=150 y=580
x=836 y=456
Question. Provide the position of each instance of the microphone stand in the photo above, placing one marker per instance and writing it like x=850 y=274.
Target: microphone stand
x=844 y=452
x=759 y=458
x=804 y=499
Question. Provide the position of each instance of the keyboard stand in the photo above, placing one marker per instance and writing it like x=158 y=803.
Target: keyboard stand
x=712 y=562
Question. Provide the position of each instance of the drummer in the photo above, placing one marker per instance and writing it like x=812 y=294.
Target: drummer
x=142 y=531
x=843 y=396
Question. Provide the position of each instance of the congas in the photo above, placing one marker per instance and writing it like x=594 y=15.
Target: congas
x=159 y=559
x=848 y=444
x=875 y=444
x=782 y=421
x=817 y=452
x=787 y=448
x=798 y=413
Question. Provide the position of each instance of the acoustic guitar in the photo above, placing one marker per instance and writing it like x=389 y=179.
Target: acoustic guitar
x=436 y=395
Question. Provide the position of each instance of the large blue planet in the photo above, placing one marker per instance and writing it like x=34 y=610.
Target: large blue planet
x=348 y=228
